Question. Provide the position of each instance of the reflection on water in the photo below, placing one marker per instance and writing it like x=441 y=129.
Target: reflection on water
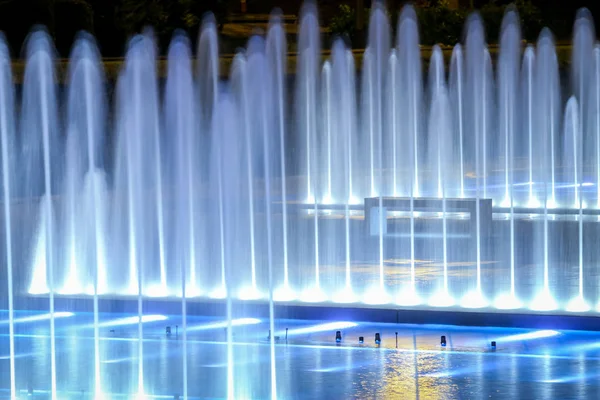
x=310 y=364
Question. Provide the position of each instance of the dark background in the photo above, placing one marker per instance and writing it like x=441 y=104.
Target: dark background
x=113 y=21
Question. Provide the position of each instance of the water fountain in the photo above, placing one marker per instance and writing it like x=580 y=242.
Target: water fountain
x=368 y=187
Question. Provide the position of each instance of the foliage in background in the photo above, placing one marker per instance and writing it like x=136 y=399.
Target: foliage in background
x=439 y=24
x=111 y=21
x=166 y=16
x=343 y=23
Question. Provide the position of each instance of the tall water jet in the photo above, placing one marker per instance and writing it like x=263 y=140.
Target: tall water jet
x=475 y=59
x=391 y=113
x=263 y=103
x=548 y=103
x=527 y=111
x=179 y=109
x=374 y=73
x=410 y=118
x=436 y=83
x=410 y=81
x=545 y=123
x=240 y=82
x=442 y=160
x=573 y=136
x=86 y=188
x=344 y=135
x=40 y=158
x=571 y=158
x=584 y=36
x=207 y=74
x=488 y=118
x=325 y=144
x=180 y=118
x=456 y=86
x=277 y=57
x=207 y=86
x=594 y=123
x=138 y=168
x=7 y=154
x=508 y=84
x=139 y=230
x=307 y=84
x=225 y=147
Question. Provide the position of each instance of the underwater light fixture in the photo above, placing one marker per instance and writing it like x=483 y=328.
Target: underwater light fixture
x=338 y=336
x=377 y=338
x=443 y=341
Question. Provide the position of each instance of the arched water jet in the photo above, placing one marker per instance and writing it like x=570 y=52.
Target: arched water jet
x=573 y=136
x=240 y=87
x=456 y=85
x=508 y=84
x=180 y=119
x=392 y=119
x=344 y=135
x=207 y=86
x=475 y=59
x=436 y=83
x=326 y=144
x=410 y=81
x=85 y=177
x=266 y=137
x=307 y=83
x=40 y=158
x=547 y=93
x=442 y=161
x=8 y=153
x=594 y=122
x=527 y=70
x=487 y=122
x=277 y=57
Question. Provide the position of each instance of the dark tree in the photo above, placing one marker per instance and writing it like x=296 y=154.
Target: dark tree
x=165 y=16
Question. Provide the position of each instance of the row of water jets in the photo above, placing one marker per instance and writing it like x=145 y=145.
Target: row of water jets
x=186 y=192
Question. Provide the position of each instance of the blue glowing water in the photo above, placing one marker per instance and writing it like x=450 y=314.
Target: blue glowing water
x=474 y=185
x=540 y=364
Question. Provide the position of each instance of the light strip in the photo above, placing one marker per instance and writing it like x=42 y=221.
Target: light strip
x=41 y=317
